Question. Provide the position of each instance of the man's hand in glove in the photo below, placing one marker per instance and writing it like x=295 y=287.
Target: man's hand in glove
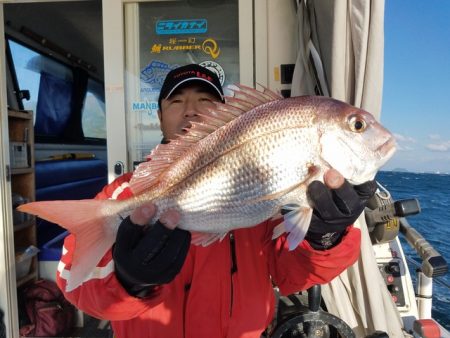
x=148 y=255
x=337 y=204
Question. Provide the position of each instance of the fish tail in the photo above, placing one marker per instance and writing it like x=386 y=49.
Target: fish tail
x=93 y=228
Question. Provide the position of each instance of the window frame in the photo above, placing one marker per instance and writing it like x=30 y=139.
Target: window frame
x=79 y=139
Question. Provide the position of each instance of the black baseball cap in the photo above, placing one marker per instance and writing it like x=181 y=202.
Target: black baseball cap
x=192 y=72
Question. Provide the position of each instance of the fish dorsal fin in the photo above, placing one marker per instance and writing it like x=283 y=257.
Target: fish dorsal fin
x=241 y=100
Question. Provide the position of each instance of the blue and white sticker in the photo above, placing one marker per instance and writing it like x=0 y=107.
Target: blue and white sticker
x=216 y=68
x=152 y=78
x=155 y=73
x=196 y=26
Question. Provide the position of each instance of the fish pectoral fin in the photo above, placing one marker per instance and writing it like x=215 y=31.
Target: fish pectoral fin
x=205 y=239
x=278 y=230
x=296 y=223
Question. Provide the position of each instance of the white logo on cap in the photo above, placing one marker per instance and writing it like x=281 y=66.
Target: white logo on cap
x=215 y=68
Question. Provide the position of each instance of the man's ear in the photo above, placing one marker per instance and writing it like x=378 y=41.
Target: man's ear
x=159 y=115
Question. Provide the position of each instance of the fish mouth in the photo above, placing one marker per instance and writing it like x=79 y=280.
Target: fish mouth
x=388 y=148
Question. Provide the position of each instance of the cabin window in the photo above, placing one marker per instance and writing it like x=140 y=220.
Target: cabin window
x=93 y=116
x=68 y=103
x=26 y=77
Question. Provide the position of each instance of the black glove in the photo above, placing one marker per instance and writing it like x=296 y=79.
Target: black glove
x=145 y=257
x=334 y=210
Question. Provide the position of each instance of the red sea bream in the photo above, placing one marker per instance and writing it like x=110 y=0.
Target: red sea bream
x=246 y=160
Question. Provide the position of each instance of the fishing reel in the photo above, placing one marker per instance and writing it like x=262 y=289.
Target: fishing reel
x=382 y=215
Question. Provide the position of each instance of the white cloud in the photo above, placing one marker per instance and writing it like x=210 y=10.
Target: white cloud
x=402 y=138
x=434 y=136
x=404 y=147
x=404 y=143
x=443 y=146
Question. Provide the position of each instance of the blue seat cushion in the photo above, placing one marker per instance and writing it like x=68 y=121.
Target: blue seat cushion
x=72 y=179
x=56 y=172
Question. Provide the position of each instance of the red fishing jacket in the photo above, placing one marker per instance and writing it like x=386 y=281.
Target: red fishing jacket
x=223 y=290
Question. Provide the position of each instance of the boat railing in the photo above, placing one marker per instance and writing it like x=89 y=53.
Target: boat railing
x=433 y=266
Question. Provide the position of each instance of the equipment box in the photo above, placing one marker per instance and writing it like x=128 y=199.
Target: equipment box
x=18 y=154
x=23 y=260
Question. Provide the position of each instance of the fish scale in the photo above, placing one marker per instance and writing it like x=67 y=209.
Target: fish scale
x=234 y=189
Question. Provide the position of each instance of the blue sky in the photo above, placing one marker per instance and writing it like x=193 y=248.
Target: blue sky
x=416 y=94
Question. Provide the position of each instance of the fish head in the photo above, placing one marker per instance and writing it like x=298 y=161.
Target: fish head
x=354 y=142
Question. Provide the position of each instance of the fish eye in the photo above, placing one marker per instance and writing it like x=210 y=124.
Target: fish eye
x=357 y=124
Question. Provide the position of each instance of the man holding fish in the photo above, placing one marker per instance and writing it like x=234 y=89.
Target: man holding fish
x=231 y=202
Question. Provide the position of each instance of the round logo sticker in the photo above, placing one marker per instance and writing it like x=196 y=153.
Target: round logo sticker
x=216 y=68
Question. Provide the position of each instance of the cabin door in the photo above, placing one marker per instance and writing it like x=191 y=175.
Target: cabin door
x=153 y=37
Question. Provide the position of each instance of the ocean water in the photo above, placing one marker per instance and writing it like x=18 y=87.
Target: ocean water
x=433 y=194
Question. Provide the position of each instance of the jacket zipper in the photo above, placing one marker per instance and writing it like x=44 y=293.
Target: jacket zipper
x=233 y=268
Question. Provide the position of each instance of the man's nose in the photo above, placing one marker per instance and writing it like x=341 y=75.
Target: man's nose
x=191 y=110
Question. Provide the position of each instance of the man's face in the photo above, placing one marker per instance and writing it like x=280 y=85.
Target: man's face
x=182 y=107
